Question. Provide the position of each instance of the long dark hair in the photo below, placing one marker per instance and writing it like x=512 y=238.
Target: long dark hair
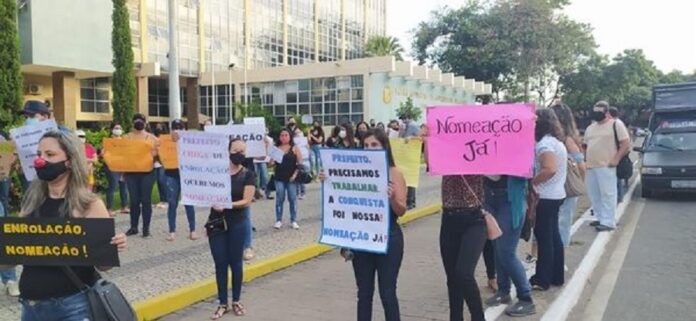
x=547 y=124
x=350 y=135
x=382 y=138
x=567 y=122
x=318 y=128
x=292 y=135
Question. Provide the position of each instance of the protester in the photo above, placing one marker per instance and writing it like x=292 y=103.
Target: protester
x=394 y=129
x=140 y=184
x=160 y=177
x=360 y=131
x=506 y=200
x=91 y=155
x=174 y=192
x=372 y=123
x=549 y=183
x=304 y=150
x=116 y=179
x=462 y=237
x=387 y=265
x=572 y=143
x=291 y=124
x=602 y=157
x=285 y=174
x=333 y=140
x=380 y=125
x=34 y=112
x=261 y=164
x=227 y=245
x=411 y=130
x=621 y=184
x=47 y=293
x=316 y=141
x=8 y=275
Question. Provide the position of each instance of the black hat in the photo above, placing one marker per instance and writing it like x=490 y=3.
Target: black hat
x=139 y=116
x=32 y=107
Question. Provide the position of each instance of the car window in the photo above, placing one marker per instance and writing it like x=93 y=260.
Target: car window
x=673 y=141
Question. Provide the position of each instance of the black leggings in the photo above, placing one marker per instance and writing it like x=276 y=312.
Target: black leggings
x=462 y=236
x=489 y=259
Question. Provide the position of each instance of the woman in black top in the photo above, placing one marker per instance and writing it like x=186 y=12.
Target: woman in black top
x=227 y=247
x=360 y=131
x=316 y=141
x=285 y=174
x=47 y=294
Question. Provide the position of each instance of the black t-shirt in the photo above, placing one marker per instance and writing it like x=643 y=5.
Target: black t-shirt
x=240 y=180
x=286 y=169
x=46 y=282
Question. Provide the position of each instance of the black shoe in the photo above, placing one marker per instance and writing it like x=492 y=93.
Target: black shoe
x=594 y=223
x=536 y=285
x=147 y=235
x=498 y=299
x=132 y=231
x=521 y=308
x=603 y=228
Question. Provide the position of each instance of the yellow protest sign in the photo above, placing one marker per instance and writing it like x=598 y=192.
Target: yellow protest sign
x=7 y=158
x=128 y=155
x=167 y=152
x=407 y=157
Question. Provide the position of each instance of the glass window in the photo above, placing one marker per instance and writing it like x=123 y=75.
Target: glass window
x=292 y=109
x=291 y=97
x=356 y=94
x=94 y=95
x=304 y=97
x=304 y=109
x=316 y=109
x=356 y=107
x=343 y=108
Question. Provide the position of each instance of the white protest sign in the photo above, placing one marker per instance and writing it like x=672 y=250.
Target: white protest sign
x=276 y=154
x=204 y=169
x=27 y=140
x=355 y=204
x=255 y=121
x=253 y=135
x=303 y=145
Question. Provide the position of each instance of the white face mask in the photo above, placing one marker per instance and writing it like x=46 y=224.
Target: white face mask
x=83 y=139
x=117 y=132
x=342 y=134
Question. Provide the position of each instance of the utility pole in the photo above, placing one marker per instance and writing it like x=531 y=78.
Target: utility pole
x=174 y=95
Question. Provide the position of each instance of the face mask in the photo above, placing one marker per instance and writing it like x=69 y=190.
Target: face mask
x=598 y=116
x=83 y=139
x=237 y=158
x=117 y=132
x=32 y=121
x=139 y=125
x=47 y=171
x=342 y=134
x=291 y=125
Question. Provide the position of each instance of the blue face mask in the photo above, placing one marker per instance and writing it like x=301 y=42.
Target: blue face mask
x=32 y=121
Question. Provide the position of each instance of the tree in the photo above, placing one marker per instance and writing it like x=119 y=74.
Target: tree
x=124 y=76
x=379 y=46
x=408 y=110
x=10 y=73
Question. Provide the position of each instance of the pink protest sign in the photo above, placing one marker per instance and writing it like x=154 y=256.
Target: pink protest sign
x=489 y=140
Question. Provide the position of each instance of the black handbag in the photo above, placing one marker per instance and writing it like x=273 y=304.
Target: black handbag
x=624 y=170
x=106 y=301
x=270 y=187
x=215 y=225
x=303 y=176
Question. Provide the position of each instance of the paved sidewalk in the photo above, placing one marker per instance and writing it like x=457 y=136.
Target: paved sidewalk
x=155 y=266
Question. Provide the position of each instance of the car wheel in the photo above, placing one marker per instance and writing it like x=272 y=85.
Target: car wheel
x=646 y=193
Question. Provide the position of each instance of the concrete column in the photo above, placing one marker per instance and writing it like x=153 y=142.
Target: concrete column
x=141 y=105
x=66 y=98
x=192 y=103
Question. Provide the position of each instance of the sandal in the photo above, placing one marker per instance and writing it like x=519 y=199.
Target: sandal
x=238 y=309
x=220 y=312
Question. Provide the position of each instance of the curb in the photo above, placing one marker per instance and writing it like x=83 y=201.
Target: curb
x=172 y=301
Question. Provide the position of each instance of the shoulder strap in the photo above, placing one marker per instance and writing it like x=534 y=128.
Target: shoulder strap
x=616 y=136
x=471 y=190
x=74 y=278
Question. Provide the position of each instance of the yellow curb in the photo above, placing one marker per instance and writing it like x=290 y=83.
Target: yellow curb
x=172 y=301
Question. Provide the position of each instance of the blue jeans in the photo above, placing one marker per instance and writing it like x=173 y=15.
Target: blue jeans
x=565 y=219
x=314 y=159
x=601 y=189
x=302 y=189
x=508 y=266
x=262 y=173
x=9 y=274
x=140 y=189
x=551 y=261
x=248 y=226
x=114 y=181
x=69 y=308
x=387 y=268
x=5 y=194
x=227 y=249
x=174 y=191
x=162 y=184
x=281 y=189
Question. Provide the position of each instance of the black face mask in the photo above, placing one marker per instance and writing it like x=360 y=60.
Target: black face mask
x=139 y=125
x=237 y=158
x=51 y=171
x=598 y=116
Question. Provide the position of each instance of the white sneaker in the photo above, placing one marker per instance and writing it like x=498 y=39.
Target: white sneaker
x=295 y=226
x=278 y=225
x=12 y=288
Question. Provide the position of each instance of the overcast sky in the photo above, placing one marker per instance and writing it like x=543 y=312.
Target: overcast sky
x=664 y=29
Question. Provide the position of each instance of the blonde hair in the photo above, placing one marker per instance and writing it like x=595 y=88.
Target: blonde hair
x=77 y=197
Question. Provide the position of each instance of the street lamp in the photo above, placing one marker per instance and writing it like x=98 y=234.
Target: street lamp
x=229 y=89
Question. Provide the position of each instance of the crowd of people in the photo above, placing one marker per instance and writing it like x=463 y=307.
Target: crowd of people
x=65 y=171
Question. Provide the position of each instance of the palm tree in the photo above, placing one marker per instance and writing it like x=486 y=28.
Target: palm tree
x=378 y=46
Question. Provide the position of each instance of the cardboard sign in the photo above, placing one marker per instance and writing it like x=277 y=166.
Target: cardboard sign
x=204 y=169
x=407 y=157
x=355 y=201
x=128 y=155
x=303 y=144
x=7 y=158
x=253 y=135
x=57 y=241
x=26 y=140
x=488 y=140
x=167 y=152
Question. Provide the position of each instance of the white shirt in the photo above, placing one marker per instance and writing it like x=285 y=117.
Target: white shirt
x=554 y=188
